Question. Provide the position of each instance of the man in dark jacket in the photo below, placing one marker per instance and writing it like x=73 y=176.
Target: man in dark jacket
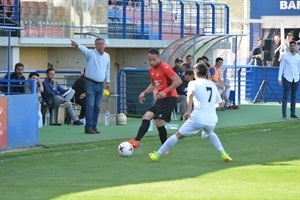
x=181 y=100
x=256 y=54
x=61 y=96
x=16 y=87
x=78 y=86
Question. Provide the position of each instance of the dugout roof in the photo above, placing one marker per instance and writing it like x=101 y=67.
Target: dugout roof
x=197 y=46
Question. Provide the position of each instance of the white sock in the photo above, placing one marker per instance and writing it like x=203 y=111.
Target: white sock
x=227 y=91
x=171 y=141
x=215 y=141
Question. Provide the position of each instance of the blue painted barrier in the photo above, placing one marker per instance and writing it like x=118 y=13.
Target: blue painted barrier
x=19 y=121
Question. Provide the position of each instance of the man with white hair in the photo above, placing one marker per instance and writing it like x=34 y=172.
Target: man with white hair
x=277 y=51
x=286 y=46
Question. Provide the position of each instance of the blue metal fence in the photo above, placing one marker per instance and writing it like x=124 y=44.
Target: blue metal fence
x=9 y=13
x=154 y=20
x=249 y=79
x=65 y=78
x=169 y=20
x=130 y=83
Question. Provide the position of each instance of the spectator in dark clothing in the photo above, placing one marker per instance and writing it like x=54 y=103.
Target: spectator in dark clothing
x=61 y=96
x=178 y=67
x=189 y=62
x=181 y=100
x=199 y=60
x=79 y=95
x=205 y=59
x=39 y=84
x=256 y=54
x=188 y=76
x=16 y=87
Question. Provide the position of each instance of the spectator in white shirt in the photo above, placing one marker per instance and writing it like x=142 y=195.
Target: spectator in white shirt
x=288 y=39
x=97 y=78
x=288 y=77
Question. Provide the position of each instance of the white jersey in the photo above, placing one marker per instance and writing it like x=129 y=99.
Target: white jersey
x=205 y=99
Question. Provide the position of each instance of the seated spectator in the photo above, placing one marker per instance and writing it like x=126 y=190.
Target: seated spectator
x=223 y=88
x=178 y=67
x=199 y=60
x=39 y=88
x=188 y=76
x=189 y=62
x=205 y=59
x=79 y=96
x=181 y=100
x=39 y=84
x=16 y=87
x=62 y=96
x=185 y=67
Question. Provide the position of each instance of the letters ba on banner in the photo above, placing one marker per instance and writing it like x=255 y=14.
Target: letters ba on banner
x=290 y=5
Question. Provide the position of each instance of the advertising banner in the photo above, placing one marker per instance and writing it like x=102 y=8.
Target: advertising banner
x=274 y=8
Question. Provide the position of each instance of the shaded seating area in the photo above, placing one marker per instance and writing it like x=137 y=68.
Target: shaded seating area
x=49 y=106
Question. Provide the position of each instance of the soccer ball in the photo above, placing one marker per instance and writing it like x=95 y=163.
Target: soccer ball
x=125 y=149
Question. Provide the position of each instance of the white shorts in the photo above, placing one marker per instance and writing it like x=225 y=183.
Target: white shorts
x=191 y=127
x=221 y=90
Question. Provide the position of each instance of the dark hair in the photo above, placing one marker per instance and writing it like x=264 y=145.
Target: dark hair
x=205 y=58
x=153 y=51
x=19 y=65
x=188 y=56
x=259 y=39
x=186 y=65
x=292 y=42
x=200 y=69
x=218 y=59
x=189 y=72
x=207 y=65
x=33 y=74
x=49 y=69
x=198 y=59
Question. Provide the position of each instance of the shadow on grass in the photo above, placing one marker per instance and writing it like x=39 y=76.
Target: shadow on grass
x=53 y=172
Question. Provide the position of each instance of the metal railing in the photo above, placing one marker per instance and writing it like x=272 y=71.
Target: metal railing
x=244 y=80
x=168 y=20
x=9 y=13
x=65 y=78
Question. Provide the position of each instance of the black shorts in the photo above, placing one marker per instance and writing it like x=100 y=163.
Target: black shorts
x=163 y=108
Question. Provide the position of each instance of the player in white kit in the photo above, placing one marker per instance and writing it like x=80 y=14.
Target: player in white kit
x=204 y=95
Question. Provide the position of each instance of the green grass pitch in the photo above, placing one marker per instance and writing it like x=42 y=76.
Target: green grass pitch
x=266 y=166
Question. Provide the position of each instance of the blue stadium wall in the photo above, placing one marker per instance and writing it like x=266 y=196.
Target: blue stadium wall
x=276 y=8
x=18 y=121
x=259 y=9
